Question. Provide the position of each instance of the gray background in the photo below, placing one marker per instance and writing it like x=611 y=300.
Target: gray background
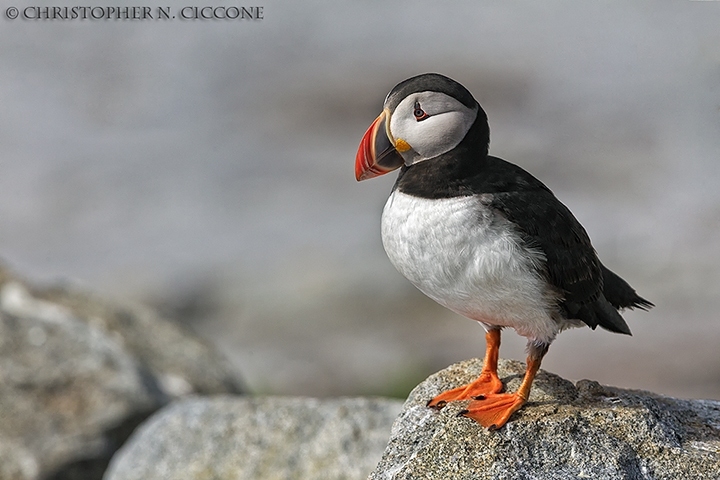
x=206 y=167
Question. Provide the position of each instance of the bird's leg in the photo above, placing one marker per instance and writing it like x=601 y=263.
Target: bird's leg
x=488 y=381
x=492 y=411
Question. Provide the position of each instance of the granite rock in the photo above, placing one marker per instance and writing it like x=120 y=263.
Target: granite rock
x=78 y=374
x=565 y=431
x=223 y=438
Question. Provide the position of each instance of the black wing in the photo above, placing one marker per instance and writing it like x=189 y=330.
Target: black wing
x=546 y=224
x=572 y=265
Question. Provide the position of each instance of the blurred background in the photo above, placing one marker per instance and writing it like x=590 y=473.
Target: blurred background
x=206 y=168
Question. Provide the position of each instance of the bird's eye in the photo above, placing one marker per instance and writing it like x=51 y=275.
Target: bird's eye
x=419 y=113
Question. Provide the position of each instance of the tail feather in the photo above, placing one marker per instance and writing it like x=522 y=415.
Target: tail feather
x=600 y=313
x=603 y=311
x=609 y=317
x=620 y=294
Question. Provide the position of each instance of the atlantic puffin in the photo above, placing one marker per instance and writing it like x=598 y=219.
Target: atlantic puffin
x=483 y=237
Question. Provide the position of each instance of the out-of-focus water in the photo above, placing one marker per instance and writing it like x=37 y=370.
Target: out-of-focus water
x=207 y=166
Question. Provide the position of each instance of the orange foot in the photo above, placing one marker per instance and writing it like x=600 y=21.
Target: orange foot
x=486 y=384
x=492 y=411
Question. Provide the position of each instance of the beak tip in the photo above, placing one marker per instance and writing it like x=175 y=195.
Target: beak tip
x=363 y=174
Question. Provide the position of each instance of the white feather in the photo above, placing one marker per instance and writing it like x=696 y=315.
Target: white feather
x=469 y=259
x=447 y=124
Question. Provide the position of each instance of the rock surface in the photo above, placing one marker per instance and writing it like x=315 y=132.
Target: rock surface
x=226 y=438
x=78 y=374
x=565 y=431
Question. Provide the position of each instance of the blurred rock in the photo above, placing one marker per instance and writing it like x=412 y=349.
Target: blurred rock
x=78 y=374
x=565 y=431
x=278 y=438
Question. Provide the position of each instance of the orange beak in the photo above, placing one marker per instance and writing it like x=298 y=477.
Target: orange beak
x=376 y=154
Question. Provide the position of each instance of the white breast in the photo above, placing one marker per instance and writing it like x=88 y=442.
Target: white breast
x=469 y=259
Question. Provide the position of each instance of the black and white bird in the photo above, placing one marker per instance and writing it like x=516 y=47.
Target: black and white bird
x=482 y=236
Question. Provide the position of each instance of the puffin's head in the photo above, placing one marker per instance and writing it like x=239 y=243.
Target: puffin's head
x=422 y=118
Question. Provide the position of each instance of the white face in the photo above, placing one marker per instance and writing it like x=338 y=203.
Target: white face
x=427 y=124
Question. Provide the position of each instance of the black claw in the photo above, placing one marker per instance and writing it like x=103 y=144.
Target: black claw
x=479 y=397
x=493 y=427
x=462 y=413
